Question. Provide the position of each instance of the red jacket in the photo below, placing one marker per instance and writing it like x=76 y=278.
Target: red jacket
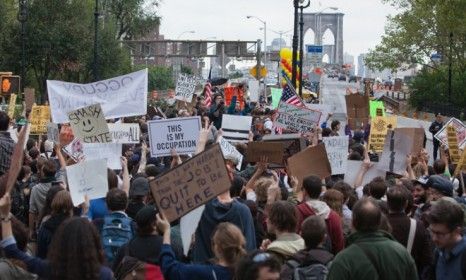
x=333 y=222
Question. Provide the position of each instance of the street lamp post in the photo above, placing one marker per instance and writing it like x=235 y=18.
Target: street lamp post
x=265 y=36
x=22 y=18
x=301 y=46
x=294 y=63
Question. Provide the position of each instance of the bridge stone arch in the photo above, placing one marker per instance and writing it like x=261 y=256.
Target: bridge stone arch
x=319 y=23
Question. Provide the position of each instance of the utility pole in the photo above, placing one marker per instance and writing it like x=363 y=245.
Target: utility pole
x=95 y=65
x=294 y=64
x=301 y=47
x=22 y=18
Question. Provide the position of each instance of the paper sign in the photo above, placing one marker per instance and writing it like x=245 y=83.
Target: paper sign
x=191 y=184
x=276 y=96
x=272 y=150
x=352 y=169
x=188 y=226
x=75 y=149
x=236 y=128
x=40 y=117
x=460 y=133
x=110 y=152
x=229 y=150
x=180 y=134
x=453 y=144
x=296 y=118
x=122 y=96
x=325 y=109
x=397 y=147
x=379 y=128
x=254 y=90
x=185 y=87
x=124 y=133
x=337 y=153
x=53 y=133
x=87 y=178
x=89 y=124
x=357 y=109
x=311 y=161
x=30 y=97
x=12 y=106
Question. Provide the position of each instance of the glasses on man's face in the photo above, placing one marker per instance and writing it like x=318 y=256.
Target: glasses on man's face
x=438 y=233
x=261 y=257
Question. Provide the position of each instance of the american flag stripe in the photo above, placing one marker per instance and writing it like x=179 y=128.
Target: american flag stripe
x=208 y=94
x=289 y=94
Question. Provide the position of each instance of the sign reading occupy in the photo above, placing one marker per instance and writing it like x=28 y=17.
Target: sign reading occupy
x=191 y=184
x=89 y=124
x=179 y=134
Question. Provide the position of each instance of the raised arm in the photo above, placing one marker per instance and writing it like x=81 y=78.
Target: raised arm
x=125 y=173
x=143 y=161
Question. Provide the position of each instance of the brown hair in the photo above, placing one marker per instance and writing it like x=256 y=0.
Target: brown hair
x=282 y=216
x=261 y=186
x=334 y=200
x=62 y=203
x=230 y=243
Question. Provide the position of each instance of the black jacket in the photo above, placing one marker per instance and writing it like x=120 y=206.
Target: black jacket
x=46 y=232
x=306 y=258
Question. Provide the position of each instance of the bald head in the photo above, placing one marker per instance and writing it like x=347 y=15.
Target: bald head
x=366 y=215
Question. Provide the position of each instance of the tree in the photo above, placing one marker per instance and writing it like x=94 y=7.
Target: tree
x=160 y=78
x=186 y=70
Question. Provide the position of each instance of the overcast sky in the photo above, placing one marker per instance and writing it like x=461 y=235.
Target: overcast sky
x=364 y=20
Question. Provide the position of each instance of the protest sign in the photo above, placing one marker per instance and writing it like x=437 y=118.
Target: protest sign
x=460 y=129
x=337 y=153
x=53 y=133
x=272 y=150
x=30 y=97
x=357 y=109
x=254 y=90
x=311 y=161
x=185 y=87
x=180 y=134
x=89 y=124
x=376 y=108
x=229 y=92
x=124 y=133
x=352 y=169
x=453 y=144
x=66 y=135
x=87 y=178
x=236 y=128
x=324 y=109
x=461 y=165
x=110 y=152
x=17 y=156
x=122 y=96
x=292 y=144
x=40 y=117
x=379 y=128
x=229 y=150
x=296 y=118
x=191 y=184
x=12 y=106
x=276 y=96
x=75 y=149
x=397 y=146
x=417 y=134
x=188 y=226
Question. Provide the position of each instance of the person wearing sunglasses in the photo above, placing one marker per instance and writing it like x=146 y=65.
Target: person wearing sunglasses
x=258 y=265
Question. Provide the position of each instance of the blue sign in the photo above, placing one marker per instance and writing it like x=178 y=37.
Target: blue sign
x=314 y=49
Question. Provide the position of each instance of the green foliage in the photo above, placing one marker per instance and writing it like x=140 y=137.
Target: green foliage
x=160 y=78
x=186 y=70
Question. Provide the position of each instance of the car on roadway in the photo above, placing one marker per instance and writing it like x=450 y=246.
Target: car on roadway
x=342 y=77
x=353 y=78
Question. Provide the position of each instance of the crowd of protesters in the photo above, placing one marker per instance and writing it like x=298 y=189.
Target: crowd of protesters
x=267 y=226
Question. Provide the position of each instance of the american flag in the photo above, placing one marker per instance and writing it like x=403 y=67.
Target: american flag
x=208 y=91
x=289 y=94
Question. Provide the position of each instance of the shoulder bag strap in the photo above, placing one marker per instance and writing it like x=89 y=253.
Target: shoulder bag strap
x=412 y=233
x=371 y=258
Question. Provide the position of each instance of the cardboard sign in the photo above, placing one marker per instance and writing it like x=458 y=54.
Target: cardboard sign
x=453 y=144
x=379 y=129
x=185 y=87
x=352 y=169
x=122 y=96
x=12 y=106
x=357 y=109
x=461 y=164
x=311 y=161
x=296 y=118
x=236 y=128
x=53 y=134
x=40 y=117
x=460 y=129
x=87 y=178
x=397 y=147
x=337 y=153
x=89 y=124
x=75 y=149
x=30 y=97
x=109 y=152
x=273 y=152
x=191 y=184
x=417 y=135
x=229 y=150
x=292 y=144
x=17 y=158
x=325 y=109
x=180 y=134
x=124 y=133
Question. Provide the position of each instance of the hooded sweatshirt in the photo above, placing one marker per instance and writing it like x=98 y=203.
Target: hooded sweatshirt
x=332 y=220
x=214 y=213
x=46 y=232
x=286 y=245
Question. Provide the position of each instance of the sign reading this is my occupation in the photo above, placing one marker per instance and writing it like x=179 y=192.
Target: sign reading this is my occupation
x=185 y=87
x=191 y=184
x=180 y=134
x=296 y=118
x=124 y=133
x=89 y=124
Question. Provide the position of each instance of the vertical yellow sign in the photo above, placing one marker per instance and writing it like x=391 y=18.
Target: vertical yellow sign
x=379 y=129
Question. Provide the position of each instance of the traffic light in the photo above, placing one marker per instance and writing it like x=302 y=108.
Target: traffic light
x=9 y=85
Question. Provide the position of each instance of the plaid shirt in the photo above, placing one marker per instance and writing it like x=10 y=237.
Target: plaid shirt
x=6 y=150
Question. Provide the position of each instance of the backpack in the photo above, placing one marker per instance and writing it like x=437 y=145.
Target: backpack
x=133 y=269
x=315 y=271
x=116 y=232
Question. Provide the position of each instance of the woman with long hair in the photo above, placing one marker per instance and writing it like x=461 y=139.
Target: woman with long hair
x=228 y=244
x=75 y=252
